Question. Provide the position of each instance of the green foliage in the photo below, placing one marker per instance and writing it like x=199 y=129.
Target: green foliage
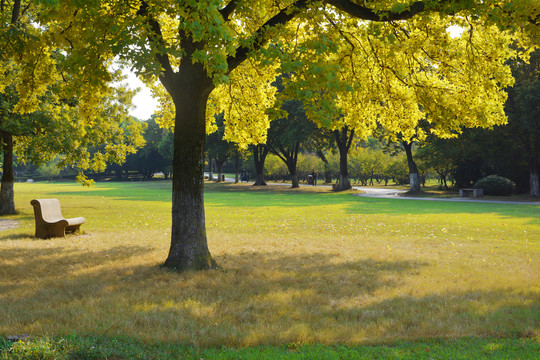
x=38 y=349
x=496 y=185
x=216 y=146
x=154 y=156
x=275 y=168
x=80 y=348
x=49 y=170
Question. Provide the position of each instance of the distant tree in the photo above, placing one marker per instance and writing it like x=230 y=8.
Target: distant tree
x=321 y=143
x=439 y=155
x=523 y=109
x=287 y=134
x=149 y=159
x=217 y=148
x=366 y=164
x=344 y=139
x=166 y=149
x=260 y=152
x=397 y=169
x=49 y=170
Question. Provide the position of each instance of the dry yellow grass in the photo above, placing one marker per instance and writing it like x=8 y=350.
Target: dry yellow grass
x=295 y=267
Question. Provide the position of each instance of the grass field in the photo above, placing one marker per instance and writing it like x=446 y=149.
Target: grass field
x=297 y=267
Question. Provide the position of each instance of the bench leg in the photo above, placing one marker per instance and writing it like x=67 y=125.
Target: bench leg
x=73 y=228
x=45 y=231
x=41 y=231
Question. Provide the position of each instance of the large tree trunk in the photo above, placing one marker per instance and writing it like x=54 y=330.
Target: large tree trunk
x=343 y=140
x=414 y=179
x=259 y=155
x=190 y=89
x=7 y=195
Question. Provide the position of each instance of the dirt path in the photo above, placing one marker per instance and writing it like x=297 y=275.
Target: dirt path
x=6 y=224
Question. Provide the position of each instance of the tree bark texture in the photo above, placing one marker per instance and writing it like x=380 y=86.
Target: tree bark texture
x=259 y=155
x=7 y=195
x=190 y=89
x=343 y=140
x=414 y=179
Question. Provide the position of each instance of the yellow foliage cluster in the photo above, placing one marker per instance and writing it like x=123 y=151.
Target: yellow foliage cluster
x=366 y=75
x=55 y=104
x=394 y=75
x=244 y=101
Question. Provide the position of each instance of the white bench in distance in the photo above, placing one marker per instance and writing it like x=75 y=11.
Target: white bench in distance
x=49 y=219
x=473 y=192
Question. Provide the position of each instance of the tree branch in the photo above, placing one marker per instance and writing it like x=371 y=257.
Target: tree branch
x=366 y=13
x=156 y=36
x=349 y=143
x=228 y=9
x=15 y=12
x=259 y=39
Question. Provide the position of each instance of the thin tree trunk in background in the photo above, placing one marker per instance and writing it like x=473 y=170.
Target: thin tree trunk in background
x=414 y=179
x=210 y=168
x=7 y=195
x=236 y=169
x=259 y=155
x=291 y=166
x=291 y=160
x=219 y=165
x=327 y=172
x=344 y=142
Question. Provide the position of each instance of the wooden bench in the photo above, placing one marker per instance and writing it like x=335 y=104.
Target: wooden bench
x=49 y=219
x=469 y=192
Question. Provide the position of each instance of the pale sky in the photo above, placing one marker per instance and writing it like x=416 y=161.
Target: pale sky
x=144 y=104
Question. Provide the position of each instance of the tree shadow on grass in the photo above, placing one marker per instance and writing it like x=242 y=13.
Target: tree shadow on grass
x=257 y=298
x=17 y=236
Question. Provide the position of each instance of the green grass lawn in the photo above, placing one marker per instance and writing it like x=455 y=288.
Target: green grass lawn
x=303 y=273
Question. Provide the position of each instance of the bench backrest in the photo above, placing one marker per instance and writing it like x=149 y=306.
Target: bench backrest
x=47 y=209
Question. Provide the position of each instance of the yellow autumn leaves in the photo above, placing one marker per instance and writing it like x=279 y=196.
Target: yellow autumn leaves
x=365 y=75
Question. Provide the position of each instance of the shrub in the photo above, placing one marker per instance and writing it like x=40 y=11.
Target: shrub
x=496 y=185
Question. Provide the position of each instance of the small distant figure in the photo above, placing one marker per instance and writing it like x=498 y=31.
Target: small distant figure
x=244 y=176
x=314 y=177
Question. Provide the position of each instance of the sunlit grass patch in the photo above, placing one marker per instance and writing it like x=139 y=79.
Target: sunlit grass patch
x=296 y=266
